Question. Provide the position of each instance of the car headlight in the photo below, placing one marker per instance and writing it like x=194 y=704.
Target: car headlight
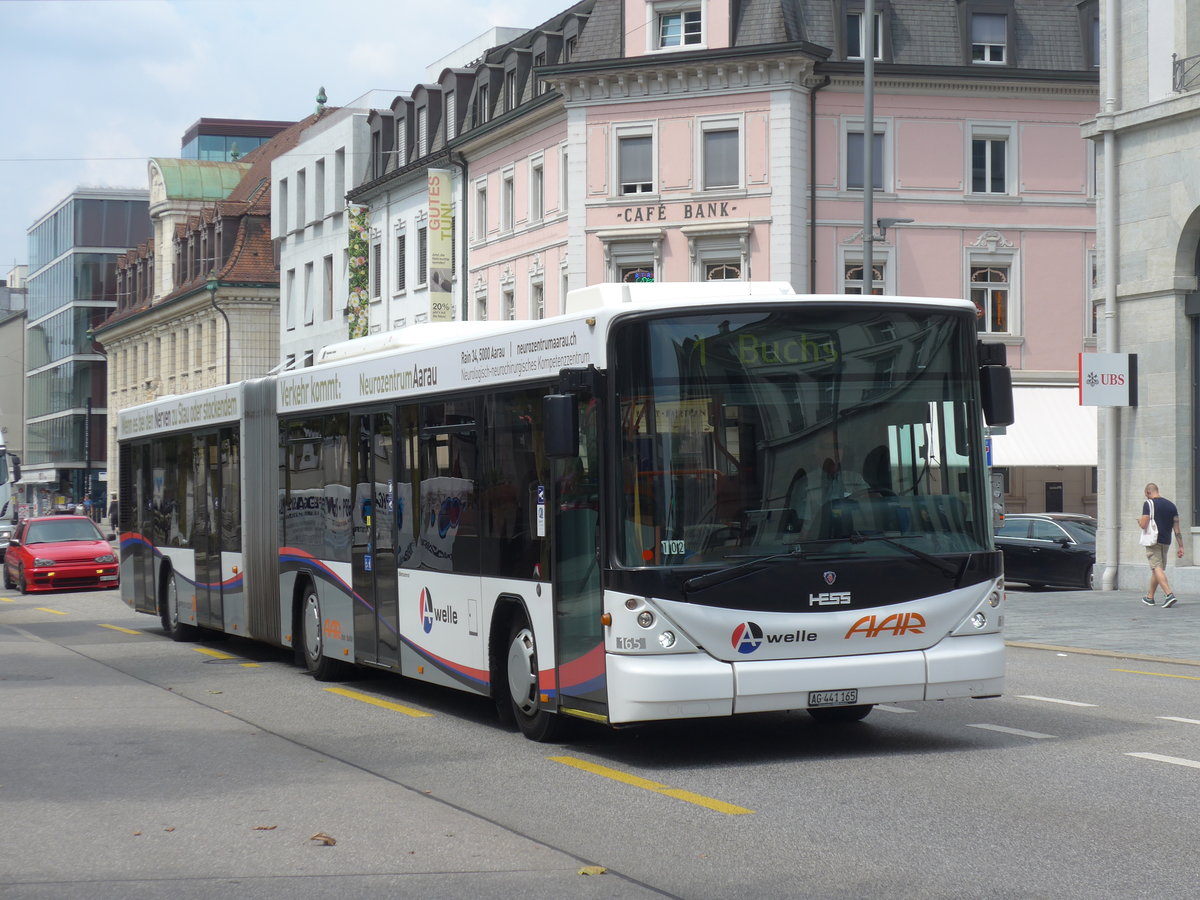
x=106 y=558
x=42 y=561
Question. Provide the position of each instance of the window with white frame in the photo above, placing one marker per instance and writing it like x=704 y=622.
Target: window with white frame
x=991 y=163
x=630 y=259
x=319 y=190
x=282 y=211
x=301 y=197
x=635 y=159
x=855 y=157
x=718 y=254
x=482 y=104
x=856 y=36
x=510 y=89
x=1092 y=324
x=537 y=188
x=677 y=25
x=309 y=294
x=422 y=256
x=376 y=271
x=481 y=306
x=481 y=210
x=989 y=38
x=990 y=286
x=401 y=141
x=510 y=305
x=327 y=289
x=290 y=301
x=449 y=112
x=422 y=131
x=537 y=300
x=852 y=275
x=564 y=182
x=539 y=86
x=507 y=199
x=401 y=263
x=721 y=153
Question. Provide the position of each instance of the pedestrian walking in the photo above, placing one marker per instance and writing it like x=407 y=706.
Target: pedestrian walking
x=113 y=509
x=1158 y=521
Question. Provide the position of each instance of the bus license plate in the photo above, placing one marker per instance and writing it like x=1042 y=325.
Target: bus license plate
x=833 y=698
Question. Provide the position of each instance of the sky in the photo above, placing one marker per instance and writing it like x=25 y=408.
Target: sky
x=93 y=88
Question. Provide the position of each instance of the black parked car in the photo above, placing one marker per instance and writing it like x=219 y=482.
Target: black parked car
x=1048 y=548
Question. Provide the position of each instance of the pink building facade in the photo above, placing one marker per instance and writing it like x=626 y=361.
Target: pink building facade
x=640 y=140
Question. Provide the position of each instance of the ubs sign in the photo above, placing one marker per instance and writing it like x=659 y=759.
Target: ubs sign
x=1108 y=379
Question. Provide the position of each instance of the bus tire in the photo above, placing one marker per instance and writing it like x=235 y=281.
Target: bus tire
x=168 y=611
x=312 y=637
x=833 y=715
x=522 y=669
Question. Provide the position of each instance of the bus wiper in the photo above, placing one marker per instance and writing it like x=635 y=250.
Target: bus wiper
x=949 y=568
x=712 y=579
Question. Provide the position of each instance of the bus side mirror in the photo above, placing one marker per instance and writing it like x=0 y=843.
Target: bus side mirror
x=995 y=384
x=560 y=414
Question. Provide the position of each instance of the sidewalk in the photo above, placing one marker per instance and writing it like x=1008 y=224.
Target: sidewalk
x=1107 y=621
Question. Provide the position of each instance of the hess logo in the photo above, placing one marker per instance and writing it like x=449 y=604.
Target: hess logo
x=430 y=614
x=896 y=624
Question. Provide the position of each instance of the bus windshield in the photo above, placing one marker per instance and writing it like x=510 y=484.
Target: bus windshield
x=800 y=431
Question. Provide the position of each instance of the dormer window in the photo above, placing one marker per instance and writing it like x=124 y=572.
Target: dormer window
x=422 y=131
x=856 y=36
x=510 y=89
x=677 y=25
x=451 y=112
x=401 y=143
x=481 y=104
x=989 y=38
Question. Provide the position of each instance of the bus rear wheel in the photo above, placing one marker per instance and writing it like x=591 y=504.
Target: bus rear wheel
x=168 y=612
x=830 y=715
x=522 y=667
x=312 y=638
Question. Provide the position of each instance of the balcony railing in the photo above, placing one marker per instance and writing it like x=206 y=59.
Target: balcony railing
x=1185 y=73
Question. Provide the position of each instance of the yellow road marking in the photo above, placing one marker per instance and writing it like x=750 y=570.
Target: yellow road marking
x=57 y=612
x=123 y=630
x=1159 y=674
x=8 y=599
x=625 y=778
x=375 y=701
x=217 y=654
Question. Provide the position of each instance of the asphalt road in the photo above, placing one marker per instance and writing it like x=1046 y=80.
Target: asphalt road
x=135 y=767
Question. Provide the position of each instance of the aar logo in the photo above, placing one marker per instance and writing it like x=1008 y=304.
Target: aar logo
x=747 y=637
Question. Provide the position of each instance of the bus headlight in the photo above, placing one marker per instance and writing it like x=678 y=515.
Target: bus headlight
x=979 y=620
x=667 y=640
x=994 y=599
x=645 y=618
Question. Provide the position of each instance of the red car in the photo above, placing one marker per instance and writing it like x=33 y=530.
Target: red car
x=58 y=553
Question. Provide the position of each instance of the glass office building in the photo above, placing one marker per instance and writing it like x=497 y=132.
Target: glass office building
x=73 y=251
x=220 y=139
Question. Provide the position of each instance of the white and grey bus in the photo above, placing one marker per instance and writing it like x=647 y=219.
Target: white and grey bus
x=673 y=501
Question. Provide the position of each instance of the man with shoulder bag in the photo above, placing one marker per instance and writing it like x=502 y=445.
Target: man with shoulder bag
x=1159 y=519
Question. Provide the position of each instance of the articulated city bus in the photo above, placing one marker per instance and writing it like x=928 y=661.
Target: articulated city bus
x=673 y=501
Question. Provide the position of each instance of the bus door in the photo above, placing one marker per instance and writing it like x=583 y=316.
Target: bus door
x=575 y=570
x=206 y=531
x=135 y=509
x=373 y=552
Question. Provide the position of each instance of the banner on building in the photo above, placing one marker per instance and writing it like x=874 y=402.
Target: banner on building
x=441 y=247
x=1108 y=379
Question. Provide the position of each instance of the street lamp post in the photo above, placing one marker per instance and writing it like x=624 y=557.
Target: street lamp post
x=211 y=286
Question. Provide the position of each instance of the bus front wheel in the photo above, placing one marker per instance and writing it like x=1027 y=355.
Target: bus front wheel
x=535 y=723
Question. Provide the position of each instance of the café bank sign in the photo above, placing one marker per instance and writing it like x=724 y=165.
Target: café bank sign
x=1108 y=379
x=696 y=212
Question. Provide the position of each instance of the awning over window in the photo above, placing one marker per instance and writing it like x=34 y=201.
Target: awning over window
x=1051 y=429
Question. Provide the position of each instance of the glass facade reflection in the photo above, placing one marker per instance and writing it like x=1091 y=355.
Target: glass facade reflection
x=72 y=288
